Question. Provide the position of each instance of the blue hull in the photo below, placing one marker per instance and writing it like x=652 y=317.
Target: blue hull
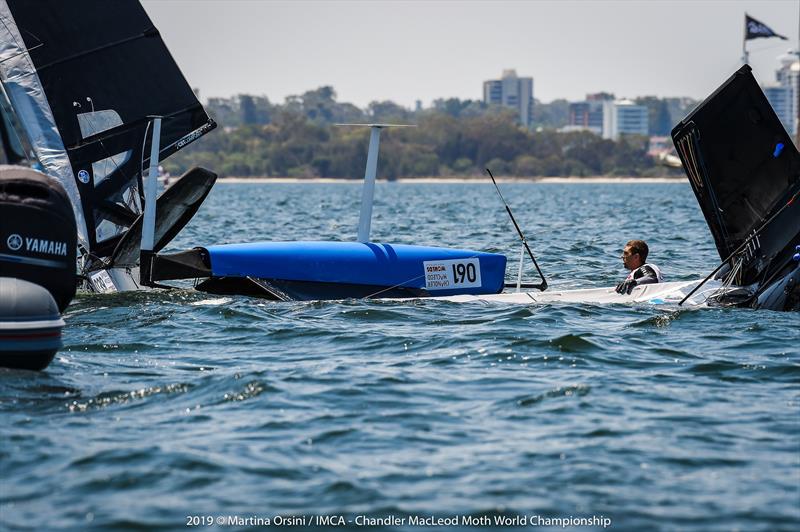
x=325 y=270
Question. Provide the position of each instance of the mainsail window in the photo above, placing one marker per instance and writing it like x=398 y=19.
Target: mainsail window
x=131 y=198
x=96 y=122
x=105 y=167
x=114 y=216
x=106 y=230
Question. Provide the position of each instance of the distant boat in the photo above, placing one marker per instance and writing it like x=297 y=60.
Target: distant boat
x=667 y=159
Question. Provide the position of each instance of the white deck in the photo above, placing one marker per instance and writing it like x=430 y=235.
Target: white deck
x=655 y=294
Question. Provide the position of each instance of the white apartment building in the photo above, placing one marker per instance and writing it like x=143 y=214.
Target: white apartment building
x=511 y=91
x=623 y=117
x=782 y=101
x=783 y=96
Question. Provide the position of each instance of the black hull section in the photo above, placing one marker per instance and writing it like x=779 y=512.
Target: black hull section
x=782 y=293
x=284 y=290
x=194 y=264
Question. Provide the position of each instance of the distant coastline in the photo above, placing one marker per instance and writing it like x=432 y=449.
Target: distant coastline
x=461 y=180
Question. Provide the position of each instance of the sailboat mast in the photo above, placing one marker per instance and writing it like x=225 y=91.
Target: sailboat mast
x=368 y=192
x=149 y=218
x=744 y=41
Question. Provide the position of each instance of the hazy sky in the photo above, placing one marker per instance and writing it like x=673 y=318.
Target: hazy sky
x=405 y=51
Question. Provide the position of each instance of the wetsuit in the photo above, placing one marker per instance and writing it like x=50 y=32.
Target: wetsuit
x=644 y=274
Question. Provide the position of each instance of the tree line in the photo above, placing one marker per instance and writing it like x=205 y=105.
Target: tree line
x=452 y=138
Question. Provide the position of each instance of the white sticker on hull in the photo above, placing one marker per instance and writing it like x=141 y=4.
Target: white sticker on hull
x=102 y=283
x=452 y=274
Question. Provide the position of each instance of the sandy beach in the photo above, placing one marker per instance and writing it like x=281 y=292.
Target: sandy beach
x=462 y=180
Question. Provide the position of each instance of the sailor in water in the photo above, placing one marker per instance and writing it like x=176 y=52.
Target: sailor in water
x=634 y=258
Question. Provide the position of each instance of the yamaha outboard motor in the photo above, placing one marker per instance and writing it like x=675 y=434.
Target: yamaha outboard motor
x=38 y=240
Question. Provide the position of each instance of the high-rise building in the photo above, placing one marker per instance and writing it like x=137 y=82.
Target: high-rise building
x=623 y=117
x=781 y=99
x=511 y=91
x=783 y=96
x=588 y=114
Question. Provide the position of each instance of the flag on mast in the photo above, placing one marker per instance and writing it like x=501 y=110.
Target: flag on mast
x=754 y=29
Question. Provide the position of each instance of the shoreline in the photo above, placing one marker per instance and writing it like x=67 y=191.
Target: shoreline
x=459 y=180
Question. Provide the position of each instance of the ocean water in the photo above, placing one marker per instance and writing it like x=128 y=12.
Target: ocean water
x=173 y=410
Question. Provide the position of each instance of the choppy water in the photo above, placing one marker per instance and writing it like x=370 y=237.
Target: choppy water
x=166 y=405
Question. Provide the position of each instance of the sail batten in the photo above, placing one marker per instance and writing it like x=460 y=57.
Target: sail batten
x=84 y=53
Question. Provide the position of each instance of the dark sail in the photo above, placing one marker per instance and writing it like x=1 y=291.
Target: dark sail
x=105 y=72
x=744 y=169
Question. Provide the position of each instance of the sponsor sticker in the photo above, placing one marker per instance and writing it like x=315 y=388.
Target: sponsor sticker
x=36 y=245
x=452 y=274
x=83 y=176
x=14 y=242
x=102 y=283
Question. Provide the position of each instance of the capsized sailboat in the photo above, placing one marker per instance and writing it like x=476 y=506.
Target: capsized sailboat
x=741 y=165
x=745 y=172
x=86 y=79
x=313 y=270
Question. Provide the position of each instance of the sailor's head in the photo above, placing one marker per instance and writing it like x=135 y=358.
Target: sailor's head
x=634 y=254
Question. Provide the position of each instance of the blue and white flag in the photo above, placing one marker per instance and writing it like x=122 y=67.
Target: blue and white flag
x=753 y=29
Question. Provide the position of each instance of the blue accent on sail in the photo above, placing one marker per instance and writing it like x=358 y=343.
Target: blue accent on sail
x=778 y=149
x=351 y=263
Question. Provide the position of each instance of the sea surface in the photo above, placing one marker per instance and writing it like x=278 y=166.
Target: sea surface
x=173 y=410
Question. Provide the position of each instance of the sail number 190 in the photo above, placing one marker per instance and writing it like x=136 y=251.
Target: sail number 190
x=464 y=273
x=452 y=274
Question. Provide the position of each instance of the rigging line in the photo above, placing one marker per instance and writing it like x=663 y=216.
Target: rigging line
x=753 y=235
x=23 y=52
x=543 y=285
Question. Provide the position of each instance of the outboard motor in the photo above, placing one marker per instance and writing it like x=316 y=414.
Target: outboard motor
x=38 y=240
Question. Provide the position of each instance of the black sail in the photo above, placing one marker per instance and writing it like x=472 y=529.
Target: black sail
x=744 y=170
x=106 y=72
